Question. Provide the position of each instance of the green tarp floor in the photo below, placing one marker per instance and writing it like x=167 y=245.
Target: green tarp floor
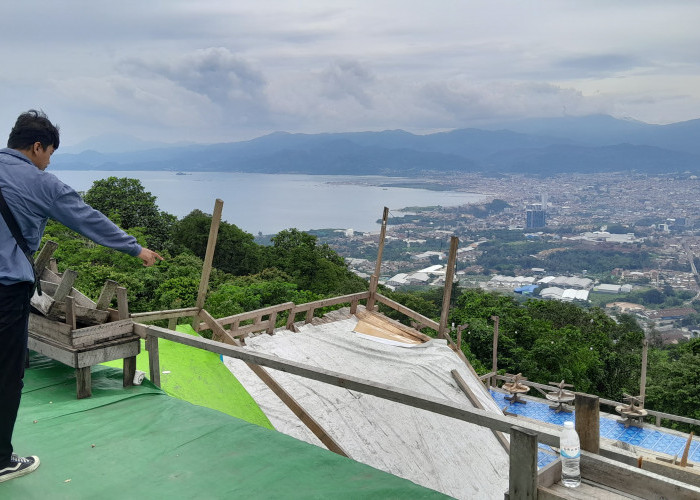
x=138 y=442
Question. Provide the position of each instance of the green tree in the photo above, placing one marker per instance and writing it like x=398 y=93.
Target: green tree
x=236 y=251
x=127 y=203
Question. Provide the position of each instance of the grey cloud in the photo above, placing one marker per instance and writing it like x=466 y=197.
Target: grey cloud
x=214 y=73
x=347 y=79
x=598 y=64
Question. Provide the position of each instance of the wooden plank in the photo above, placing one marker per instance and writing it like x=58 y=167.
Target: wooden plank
x=53 y=265
x=408 y=312
x=443 y=407
x=100 y=333
x=633 y=480
x=447 y=293
x=50 y=287
x=65 y=286
x=522 y=475
x=122 y=303
x=42 y=303
x=228 y=320
x=209 y=255
x=474 y=400
x=391 y=326
x=166 y=314
x=83 y=382
x=549 y=474
x=52 y=349
x=106 y=295
x=44 y=256
x=44 y=327
x=271 y=323
x=86 y=315
x=49 y=275
x=153 y=359
x=298 y=410
x=588 y=421
x=109 y=351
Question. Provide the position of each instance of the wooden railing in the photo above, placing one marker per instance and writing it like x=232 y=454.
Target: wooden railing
x=607 y=466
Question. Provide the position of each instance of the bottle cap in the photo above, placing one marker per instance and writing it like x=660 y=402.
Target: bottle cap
x=569 y=424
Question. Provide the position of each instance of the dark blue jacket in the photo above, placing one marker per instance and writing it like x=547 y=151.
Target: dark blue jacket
x=33 y=196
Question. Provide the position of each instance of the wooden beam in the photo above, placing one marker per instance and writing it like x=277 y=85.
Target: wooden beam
x=588 y=421
x=285 y=397
x=522 y=475
x=65 y=286
x=298 y=410
x=447 y=294
x=474 y=400
x=107 y=294
x=166 y=314
x=129 y=370
x=209 y=255
x=429 y=323
x=374 y=280
x=443 y=407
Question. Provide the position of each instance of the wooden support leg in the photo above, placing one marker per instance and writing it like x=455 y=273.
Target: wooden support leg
x=129 y=370
x=83 y=380
x=172 y=324
x=153 y=359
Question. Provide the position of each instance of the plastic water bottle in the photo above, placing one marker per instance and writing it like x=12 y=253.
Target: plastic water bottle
x=570 y=455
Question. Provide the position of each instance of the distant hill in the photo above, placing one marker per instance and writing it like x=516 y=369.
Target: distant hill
x=540 y=147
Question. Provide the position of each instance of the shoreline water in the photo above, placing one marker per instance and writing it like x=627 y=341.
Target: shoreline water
x=269 y=203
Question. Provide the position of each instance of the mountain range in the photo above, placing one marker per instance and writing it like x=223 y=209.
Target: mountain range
x=546 y=146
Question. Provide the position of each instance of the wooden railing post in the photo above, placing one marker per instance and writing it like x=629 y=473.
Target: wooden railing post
x=494 y=358
x=374 y=280
x=522 y=476
x=208 y=259
x=447 y=294
x=643 y=378
x=153 y=359
x=588 y=421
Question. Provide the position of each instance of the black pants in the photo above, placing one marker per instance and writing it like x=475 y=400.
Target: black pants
x=14 y=320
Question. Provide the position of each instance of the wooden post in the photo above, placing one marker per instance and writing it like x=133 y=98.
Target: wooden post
x=122 y=303
x=643 y=379
x=494 y=358
x=70 y=313
x=208 y=259
x=374 y=280
x=153 y=359
x=447 y=294
x=588 y=421
x=522 y=476
x=83 y=381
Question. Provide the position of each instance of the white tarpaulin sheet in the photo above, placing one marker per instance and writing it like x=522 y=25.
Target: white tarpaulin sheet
x=460 y=459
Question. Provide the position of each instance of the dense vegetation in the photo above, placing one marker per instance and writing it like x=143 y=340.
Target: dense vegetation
x=545 y=340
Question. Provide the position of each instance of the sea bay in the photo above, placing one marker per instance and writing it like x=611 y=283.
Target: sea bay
x=269 y=203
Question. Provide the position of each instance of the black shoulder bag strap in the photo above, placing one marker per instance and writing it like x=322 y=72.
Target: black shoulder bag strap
x=21 y=242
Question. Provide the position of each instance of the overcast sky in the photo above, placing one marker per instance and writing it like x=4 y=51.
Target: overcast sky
x=216 y=71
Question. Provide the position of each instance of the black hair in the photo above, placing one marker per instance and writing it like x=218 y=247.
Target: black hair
x=31 y=127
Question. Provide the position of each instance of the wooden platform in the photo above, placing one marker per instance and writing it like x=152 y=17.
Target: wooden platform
x=82 y=358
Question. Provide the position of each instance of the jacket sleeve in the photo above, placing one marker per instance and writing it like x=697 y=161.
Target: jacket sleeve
x=70 y=210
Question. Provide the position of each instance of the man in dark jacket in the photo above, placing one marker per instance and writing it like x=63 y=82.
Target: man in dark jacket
x=33 y=196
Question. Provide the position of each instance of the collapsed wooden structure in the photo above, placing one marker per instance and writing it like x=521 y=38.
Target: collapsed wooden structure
x=68 y=330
